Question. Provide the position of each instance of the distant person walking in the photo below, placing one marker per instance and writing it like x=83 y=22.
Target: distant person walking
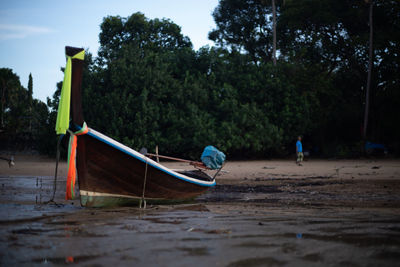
x=299 y=151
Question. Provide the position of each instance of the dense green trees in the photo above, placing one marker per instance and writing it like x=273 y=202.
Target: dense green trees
x=324 y=44
x=155 y=90
x=24 y=120
x=10 y=91
x=148 y=87
x=334 y=37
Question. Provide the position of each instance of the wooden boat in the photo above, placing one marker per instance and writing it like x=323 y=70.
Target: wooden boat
x=110 y=173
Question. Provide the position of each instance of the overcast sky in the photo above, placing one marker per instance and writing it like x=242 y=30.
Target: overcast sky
x=33 y=34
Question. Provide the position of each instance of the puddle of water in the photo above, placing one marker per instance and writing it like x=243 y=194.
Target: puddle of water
x=64 y=260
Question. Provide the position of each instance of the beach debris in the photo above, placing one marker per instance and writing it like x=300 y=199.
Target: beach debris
x=218 y=231
x=10 y=161
x=268 y=168
x=213 y=231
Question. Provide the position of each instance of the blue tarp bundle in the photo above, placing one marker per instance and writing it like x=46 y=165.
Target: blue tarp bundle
x=212 y=157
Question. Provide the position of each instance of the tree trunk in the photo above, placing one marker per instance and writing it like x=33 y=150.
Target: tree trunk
x=370 y=62
x=3 y=100
x=274 y=32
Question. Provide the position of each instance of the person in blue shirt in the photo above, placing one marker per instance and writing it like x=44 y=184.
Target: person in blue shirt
x=299 y=151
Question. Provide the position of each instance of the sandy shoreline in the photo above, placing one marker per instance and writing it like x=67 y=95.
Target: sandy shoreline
x=240 y=171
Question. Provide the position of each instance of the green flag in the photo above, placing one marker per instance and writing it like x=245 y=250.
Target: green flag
x=62 y=123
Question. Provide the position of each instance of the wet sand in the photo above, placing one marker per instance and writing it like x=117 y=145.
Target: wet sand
x=261 y=213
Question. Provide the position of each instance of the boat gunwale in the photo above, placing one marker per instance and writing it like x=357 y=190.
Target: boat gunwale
x=133 y=153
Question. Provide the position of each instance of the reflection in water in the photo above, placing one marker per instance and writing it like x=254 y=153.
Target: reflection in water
x=69 y=259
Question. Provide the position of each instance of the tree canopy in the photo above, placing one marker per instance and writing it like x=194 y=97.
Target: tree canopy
x=24 y=120
x=149 y=87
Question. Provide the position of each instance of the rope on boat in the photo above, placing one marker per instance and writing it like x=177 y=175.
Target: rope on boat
x=215 y=175
x=143 y=200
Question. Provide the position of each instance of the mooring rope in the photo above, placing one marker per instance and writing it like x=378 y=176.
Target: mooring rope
x=55 y=174
x=143 y=200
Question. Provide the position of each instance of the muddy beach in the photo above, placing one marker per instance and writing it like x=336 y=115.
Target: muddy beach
x=261 y=213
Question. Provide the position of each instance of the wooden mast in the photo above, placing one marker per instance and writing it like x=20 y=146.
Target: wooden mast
x=76 y=85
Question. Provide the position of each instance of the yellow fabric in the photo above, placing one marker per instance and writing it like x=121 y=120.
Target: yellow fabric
x=62 y=123
x=80 y=55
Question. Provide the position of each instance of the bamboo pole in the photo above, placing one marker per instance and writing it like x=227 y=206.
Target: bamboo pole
x=191 y=162
x=158 y=159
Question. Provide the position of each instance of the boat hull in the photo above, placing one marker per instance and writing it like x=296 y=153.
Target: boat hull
x=111 y=174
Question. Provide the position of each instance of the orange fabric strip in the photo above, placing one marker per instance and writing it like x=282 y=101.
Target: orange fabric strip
x=85 y=131
x=71 y=177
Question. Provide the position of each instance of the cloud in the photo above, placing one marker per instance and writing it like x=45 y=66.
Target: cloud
x=13 y=31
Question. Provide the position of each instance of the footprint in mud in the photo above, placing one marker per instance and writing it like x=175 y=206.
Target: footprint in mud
x=129 y=227
x=385 y=255
x=254 y=245
x=267 y=261
x=360 y=240
x=315 y=257
x=213 y=231
x=78 y=232
x=33 y=231
x=163 y=221
x=64 y=223
x=39 y=247
x=195 y=251
x=196 y=207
